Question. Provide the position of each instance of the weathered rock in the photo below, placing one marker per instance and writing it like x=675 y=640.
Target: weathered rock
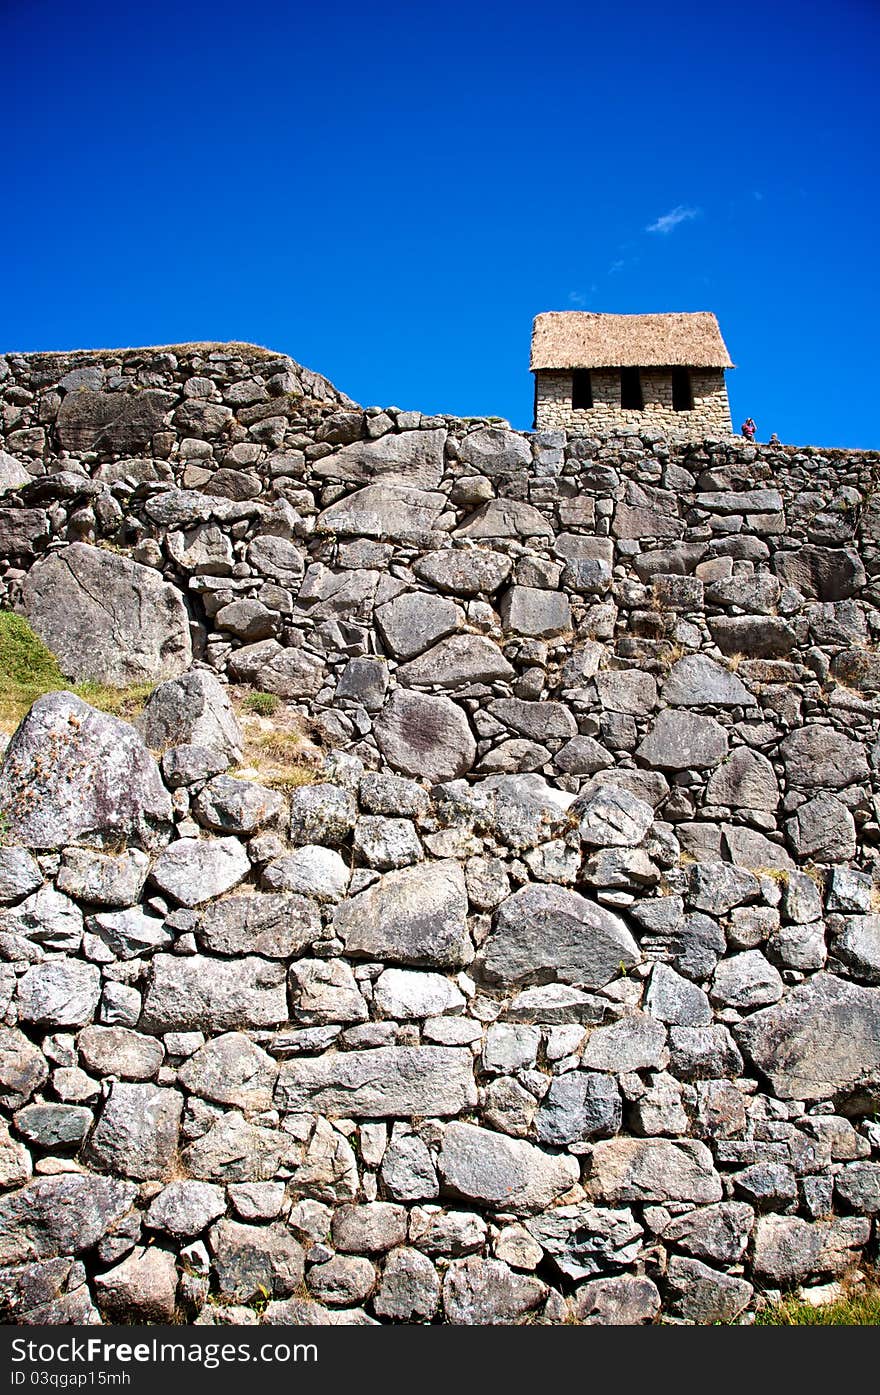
x=194 y=710
x=425 y=736
x=234 y=1150
x=410 y=1288
x=114 y=423
x=405 y=994
x=255 y=1261
x=413 y=457
x=464 y=571
x=682 y=740
x=746 y=780
x=369 y=1228
x=325 y=991
x=19 y=875
x=718 y=1233
x=579 y=1105
x=486 y=1292
x=194 y=871
x=788 y=1249
x=399 y=513
x=276 y=927
x=100 y=785
x=673 y=999
x=53 y=1125
x=414 y=621
x=49 y=919
x=236 y=806
x=130 y=933
x=187 y=994
x=505 y=1173
x=59 y=993
x=822 y=756
x=536 y=613
x=430 y=1081
x=544 y=933
x=858 y=946
x=310 y=871
x=746 y=981
x=23 y=1067
x=822 y=830
x=653 y=1169
x=136 y=1133
x=611 y=817
x=703 y=1295
x=120 y=1051
x=456 y=662
x=826 y=573
x=623 y=1301
x=322 y=813
x=758 y=636
x=103 y=879
x=635 y=1042
x=108 y=619
x=821 y=1040
x=417 y=915
x=697 y=681
x=231 y=1069
x=185 y=1208
x=343 y=1280
x=61 y=1215
x=143 y=1288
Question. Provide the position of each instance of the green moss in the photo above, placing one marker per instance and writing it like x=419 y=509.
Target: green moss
x=264 y=704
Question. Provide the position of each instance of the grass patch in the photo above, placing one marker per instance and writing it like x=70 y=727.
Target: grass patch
x=281 y=757
x=264 y=704
x=860 y=1308
x=28 y=670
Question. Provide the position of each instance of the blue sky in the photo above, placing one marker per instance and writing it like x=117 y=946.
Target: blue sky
x=390 y=192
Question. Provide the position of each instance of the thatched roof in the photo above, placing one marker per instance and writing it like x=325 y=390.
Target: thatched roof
x=580 y=339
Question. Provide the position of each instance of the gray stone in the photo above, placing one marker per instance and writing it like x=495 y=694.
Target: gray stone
x=248 y=620
x=364 y=681
x=858 y=1185
x=410 y=1288
x=406 y=994
x=130 y=933
x=387 y=843
x=188 y=994
x=703 y=1053
x=191 y=765
x=59 y=993
x=822 y=830
x=48 y=919
x=847 y=891
x=486 y=1292
x=683 y=740
x=746 y=780
x=822 y=756
x=674 y=1000
x=412 y=457
x=310 y=871
x=505 y=518
x=23 y=1067
x=464 y=571
x=703 y=1295
x=624 y=1301
x=716 y=887
x=389 y=1082
x=276 y=927
x=445 y=1232
x=629 y=691
x=556 y=1004
x=12 y=473
x=583 y=1239
x=101 y=785
x=636 y=1042
x=185 y=1208
x=120 y=1051
x=396 y=513
x=536 y=613
x=541 y=721
x=858 y=946
x=255 y=1261
x=143 y=1288
x=698 y=681
x=758 y=636
x=417 y=915
x=193 y=710
x=236 y=806
x=108 y=619
x=114 y=423
x=455 y=662
x=136 y=1133
x=369 y=1228
x=321 y=814
x=826 y=573
x=408 y=1172
x=65 y=1214
x=279 y=559
x=493 y=450
x=288 y=673
x=380 y=793
x=788 y=1249
x=103 y=879
x=233 y=1070
x=746 y=981
x=611 y=817
x=425 y=736
x=718 y=1233
x=235 y=1150
x=505 y=1173
x=19 y=875
x=579 y=1105
x=822 y=1039
x=653 y=1169
x=343 y=1280
x=53 y=1125
x=194 y=871
x=23 y=532
x=415 y=621
x=323 y=991
x=544 y=933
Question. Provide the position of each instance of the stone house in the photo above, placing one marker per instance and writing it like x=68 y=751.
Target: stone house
x=603 y=374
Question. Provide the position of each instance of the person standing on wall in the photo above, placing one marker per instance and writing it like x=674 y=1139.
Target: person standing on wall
x=748 y=429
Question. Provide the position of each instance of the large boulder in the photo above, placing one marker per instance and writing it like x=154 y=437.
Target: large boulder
x=114 y=423
x=109 y=620
x=195 y=992
x=425 y=736
x=391 y=1081
x=822 y=1040
x=503 y=1172
x=192 y=710
x=75 y=775
x=61 y=1215
x=545 y=933
x=416 y=915
x=411 y=457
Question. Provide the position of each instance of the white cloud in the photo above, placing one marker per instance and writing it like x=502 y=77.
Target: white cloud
x=669 y=221
x=616 y=266
x=576 y=298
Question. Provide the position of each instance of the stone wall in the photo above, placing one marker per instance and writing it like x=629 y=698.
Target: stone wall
x=554 y=995
x=709 y=416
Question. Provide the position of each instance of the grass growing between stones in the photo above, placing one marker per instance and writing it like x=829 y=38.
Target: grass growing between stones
x=860 y=1308
x=277 y=752
x=28 y=670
